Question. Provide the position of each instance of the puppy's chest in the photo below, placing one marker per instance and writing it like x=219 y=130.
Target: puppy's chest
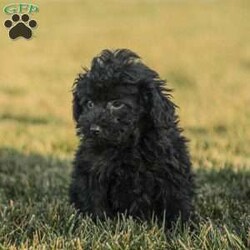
x=111 y=163
x=111 y=168
x=119 y=179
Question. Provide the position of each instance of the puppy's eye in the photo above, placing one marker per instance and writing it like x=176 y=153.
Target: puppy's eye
x=116 y=105
x=90 y=104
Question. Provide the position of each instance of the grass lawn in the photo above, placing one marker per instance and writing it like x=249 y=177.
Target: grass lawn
x=201 y=47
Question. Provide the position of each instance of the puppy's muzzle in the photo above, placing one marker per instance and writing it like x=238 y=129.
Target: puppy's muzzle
x=95 y=130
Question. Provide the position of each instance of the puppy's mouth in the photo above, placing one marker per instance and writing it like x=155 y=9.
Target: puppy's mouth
x=101 y=141
x=103 y=137
x=94 y=135
x=95 y=131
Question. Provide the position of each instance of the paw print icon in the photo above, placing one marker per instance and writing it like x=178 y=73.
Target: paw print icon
x=20 y=26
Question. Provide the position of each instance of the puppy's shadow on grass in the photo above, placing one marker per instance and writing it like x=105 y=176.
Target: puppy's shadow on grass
x=31 y=177
x=223 y=197
x=34 y=196
x=220 y=192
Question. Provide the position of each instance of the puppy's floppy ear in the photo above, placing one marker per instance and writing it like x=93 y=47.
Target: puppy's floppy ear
x=161 y=109
x=76 y=108
x=77 y=92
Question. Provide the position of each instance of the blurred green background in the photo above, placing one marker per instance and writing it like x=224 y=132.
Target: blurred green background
x=201 y=47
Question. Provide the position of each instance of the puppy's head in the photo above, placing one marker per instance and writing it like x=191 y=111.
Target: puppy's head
x=117 y=99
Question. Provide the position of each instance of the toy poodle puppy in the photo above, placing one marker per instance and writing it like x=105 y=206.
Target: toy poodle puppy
x=132 y=157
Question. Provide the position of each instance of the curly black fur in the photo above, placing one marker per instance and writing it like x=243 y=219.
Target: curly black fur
x=132 y=157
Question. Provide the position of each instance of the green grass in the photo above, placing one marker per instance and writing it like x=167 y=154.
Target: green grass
x=201 y=47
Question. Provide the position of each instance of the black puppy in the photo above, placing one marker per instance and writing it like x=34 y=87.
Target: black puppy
x=132 y=157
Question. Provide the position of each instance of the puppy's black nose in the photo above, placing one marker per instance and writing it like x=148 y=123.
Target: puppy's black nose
x=95 y=129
